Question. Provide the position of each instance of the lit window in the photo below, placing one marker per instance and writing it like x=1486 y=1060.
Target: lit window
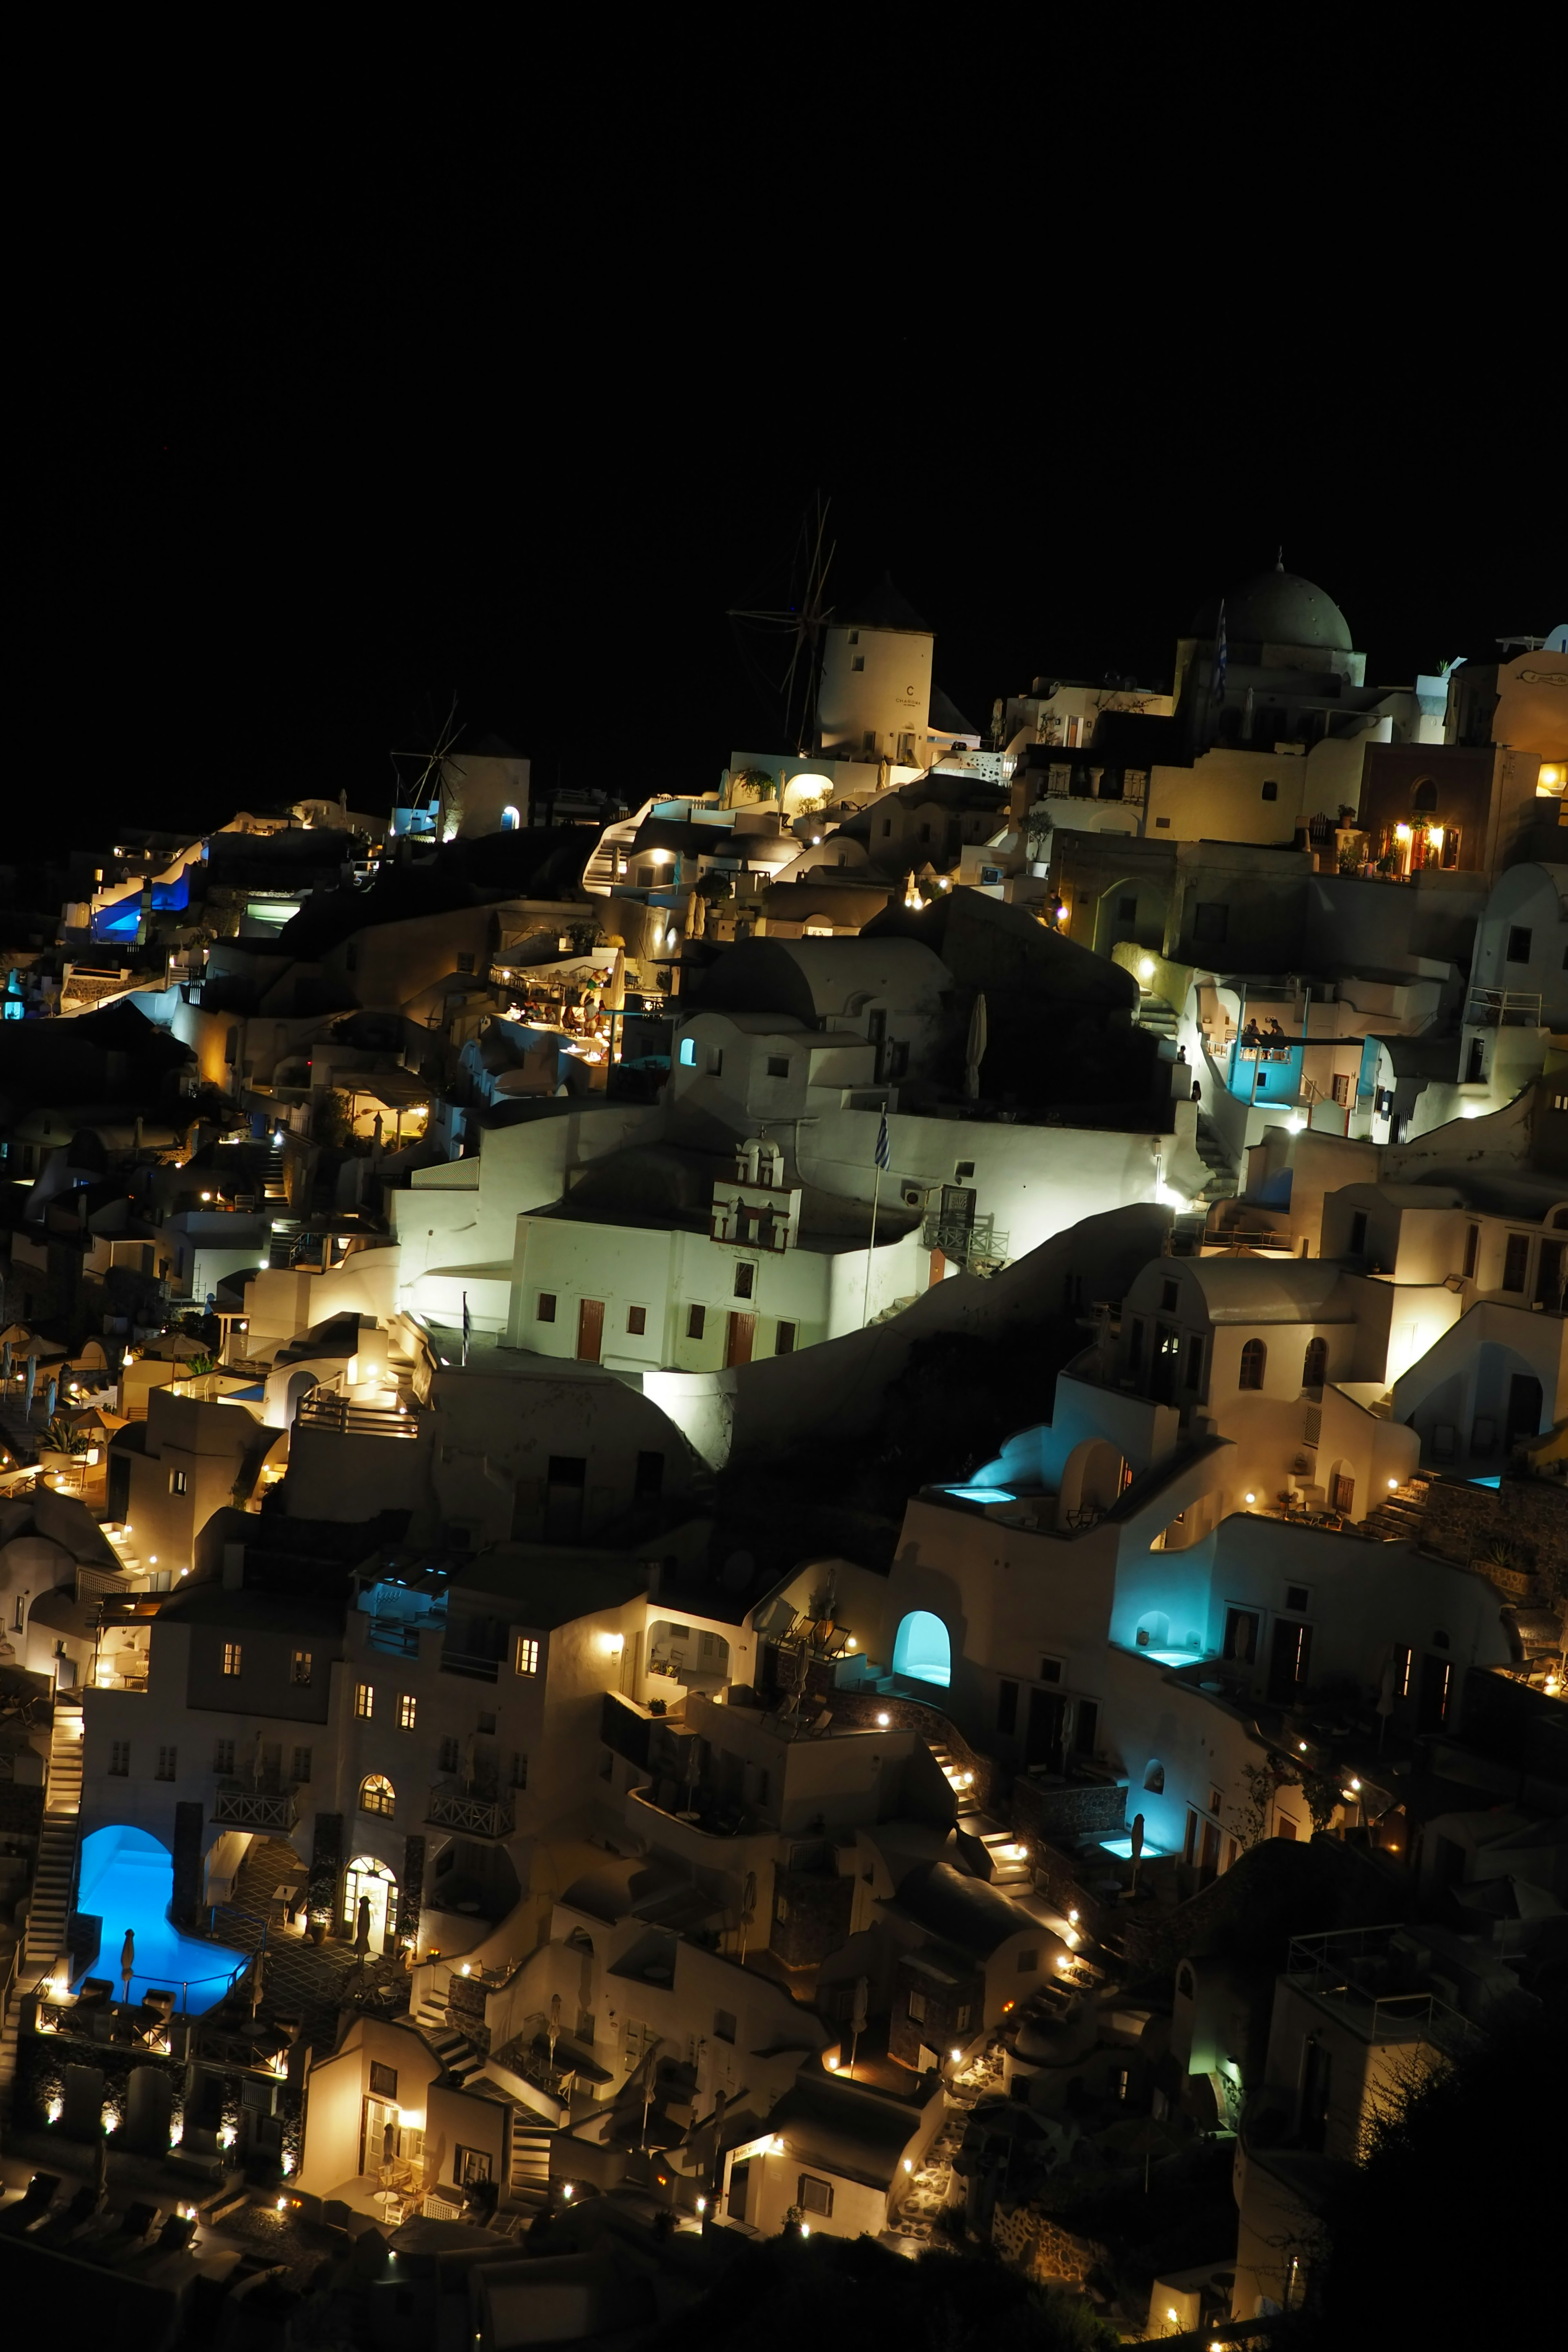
x=364 y=1700
x=231 y=1658
x=378 y=1795
x=527 y=1654
x=299 y=1668
x=178 y=1482
x=688 y=1053
x=407 y=1707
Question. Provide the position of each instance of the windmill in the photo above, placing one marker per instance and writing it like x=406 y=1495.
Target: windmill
x=433 y=769
x=785 y=672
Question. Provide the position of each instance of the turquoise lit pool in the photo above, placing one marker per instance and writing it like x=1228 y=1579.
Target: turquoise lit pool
x=127 y=1879
x=1486 y=1482
x=1121 y=1848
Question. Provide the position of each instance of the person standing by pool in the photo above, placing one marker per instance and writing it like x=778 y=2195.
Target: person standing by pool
x=127 y=1959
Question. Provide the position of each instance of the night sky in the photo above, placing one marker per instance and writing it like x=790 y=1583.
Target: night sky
x=286 y=509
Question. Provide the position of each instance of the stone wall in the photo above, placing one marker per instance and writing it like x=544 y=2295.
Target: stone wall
x=1028 y=2238
x=816 y=1907
x=1055 y=1811
x=1526 y=1518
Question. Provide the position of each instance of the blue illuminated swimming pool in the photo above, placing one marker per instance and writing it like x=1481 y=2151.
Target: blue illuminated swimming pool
x=127 y=1878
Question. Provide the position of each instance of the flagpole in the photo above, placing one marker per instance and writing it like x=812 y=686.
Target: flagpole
x=465 y=1330
x=866 y=1302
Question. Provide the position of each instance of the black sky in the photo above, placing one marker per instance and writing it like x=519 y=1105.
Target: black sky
x=297 y=487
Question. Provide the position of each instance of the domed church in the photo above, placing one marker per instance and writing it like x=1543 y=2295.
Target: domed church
x=1271 y=657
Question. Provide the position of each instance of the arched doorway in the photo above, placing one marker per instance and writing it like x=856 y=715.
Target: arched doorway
x=923 y=1650
x=299 y=1386
x=367 y=1876
x=510 y=819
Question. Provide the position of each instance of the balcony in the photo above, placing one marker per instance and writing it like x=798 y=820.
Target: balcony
x=240 y=1807
x=470 y=1813
x=966 y=1242
x=470 y=1663
x=1499 y=1008
x=326 y=1408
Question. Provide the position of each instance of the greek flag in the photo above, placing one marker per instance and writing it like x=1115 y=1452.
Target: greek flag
x=1220 y=659
x=883 y=1153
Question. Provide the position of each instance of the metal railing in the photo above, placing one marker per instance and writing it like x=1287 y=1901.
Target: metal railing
x=325 y=1409
x=468 y=1662
x=1060 y=786
x=963 y=1239
x=237 y=1807
x=399 y=1636
x=1504 y=1007
x=1339 y=1969
x=454 y=1808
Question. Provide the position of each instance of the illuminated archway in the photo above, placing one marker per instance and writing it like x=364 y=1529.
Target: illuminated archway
x=510 y=819
x=922 y=1650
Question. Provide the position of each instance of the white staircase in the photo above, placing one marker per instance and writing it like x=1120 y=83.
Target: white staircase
x=50 y=1907
x=959 y=1778
x=529 y=2182
x=1009 y=1855
x=458 y=2057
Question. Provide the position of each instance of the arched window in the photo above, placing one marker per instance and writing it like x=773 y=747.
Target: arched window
x=378 y=1795
x=510 y=819
x=922 y=1650
x=1315 y=1366
x=1155 y=1778
x=1254 y=1356
x=1424 y=800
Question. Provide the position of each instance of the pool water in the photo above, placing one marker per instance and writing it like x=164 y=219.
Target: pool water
x=127 y=1880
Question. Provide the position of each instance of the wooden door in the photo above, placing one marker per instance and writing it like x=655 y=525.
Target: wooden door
x=590 y=1329
x=738 y=1344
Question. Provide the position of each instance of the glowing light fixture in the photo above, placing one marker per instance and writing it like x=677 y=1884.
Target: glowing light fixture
x=908 y=2164
x=1251 y=1498
x=1301 y=1743
x=956 y=2056
x=882 y=1722
x=1146 y=968
x=1393 y=1485
x=1402 y=833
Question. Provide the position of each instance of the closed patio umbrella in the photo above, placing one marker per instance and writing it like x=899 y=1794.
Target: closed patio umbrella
x=974 y=1049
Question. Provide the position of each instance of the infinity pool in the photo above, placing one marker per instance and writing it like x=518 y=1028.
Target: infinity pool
x=127 y=1879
